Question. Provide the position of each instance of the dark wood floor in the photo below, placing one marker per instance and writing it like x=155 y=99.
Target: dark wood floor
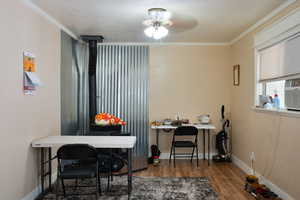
x=226 y=178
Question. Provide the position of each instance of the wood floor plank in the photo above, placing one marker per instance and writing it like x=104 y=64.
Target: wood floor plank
x=226 y=179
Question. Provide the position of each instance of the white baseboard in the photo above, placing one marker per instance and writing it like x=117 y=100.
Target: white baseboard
x=167 y=155
x=34 y=193
x=243 y=166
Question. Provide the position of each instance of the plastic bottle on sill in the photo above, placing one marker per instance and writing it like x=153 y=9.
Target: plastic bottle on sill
x=276 y=101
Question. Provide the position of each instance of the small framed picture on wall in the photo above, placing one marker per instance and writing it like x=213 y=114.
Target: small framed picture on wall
x=236 y=75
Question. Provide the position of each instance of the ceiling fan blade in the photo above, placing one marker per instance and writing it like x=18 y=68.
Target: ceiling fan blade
x=182 y=23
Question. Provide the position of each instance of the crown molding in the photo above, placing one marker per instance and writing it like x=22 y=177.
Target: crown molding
x=263 y=20
x=51 y=19
x=167 y=43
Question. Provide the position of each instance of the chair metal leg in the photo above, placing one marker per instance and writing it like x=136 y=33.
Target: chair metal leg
x=192 y=154
x=108 y=183
x=171 y=154
x=208 y=144
x=63 y=187
x=57 y=187
x=197 y=153
x=99 y=184
x=203 y=144
x=174 y=156
x=97 y=187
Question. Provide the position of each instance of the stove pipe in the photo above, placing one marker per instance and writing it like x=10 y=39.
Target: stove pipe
x=92 y=41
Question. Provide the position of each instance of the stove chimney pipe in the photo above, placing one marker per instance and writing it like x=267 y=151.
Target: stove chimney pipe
x=92 y=41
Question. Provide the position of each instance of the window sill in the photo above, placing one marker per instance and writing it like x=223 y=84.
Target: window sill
x=281 y=112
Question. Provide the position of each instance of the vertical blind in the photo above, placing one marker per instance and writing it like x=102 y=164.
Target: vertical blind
x=122 y=88
x=280 y=61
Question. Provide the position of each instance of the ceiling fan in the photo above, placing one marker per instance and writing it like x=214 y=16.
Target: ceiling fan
x=157 y=23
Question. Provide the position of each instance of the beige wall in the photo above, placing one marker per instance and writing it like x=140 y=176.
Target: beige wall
x=24 y=118
x=274 y=139
x=190 y=80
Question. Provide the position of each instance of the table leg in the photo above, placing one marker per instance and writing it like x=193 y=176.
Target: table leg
x=208 y=135
x=42 y=170
x=157 y=138
x=203 y=144
x=50 y=167
x=129 y=171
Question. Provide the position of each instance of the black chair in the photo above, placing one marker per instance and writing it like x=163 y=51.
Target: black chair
x=77 y=161
x=185 y=131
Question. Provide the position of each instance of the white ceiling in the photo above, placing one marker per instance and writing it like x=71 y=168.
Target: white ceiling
x=194 y=20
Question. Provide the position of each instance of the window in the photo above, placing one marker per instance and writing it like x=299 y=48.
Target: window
x=275 y=65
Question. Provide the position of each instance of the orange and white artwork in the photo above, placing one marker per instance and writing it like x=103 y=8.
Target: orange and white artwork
x=28 y=66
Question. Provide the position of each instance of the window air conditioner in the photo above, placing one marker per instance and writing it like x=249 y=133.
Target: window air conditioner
x=292 y=94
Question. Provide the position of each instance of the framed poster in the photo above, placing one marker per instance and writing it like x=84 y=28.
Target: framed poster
x=28 y=68
x=236 y=75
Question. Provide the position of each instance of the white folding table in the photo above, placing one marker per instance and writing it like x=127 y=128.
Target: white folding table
x=110 y=142
x=205 y=127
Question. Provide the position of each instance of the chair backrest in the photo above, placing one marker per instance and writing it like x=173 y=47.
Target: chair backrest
x=77 y=152
x=186 y=131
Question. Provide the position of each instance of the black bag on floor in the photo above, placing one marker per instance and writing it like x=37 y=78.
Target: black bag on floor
x=155 y=152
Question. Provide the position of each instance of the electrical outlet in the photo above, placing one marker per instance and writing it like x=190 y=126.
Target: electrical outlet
x=252 y=156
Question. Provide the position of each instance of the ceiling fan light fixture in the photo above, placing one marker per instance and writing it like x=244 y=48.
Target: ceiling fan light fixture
x=156 y=32
x=157 y=35
x=149 y=31
x=160 y=32
x=158 y=18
